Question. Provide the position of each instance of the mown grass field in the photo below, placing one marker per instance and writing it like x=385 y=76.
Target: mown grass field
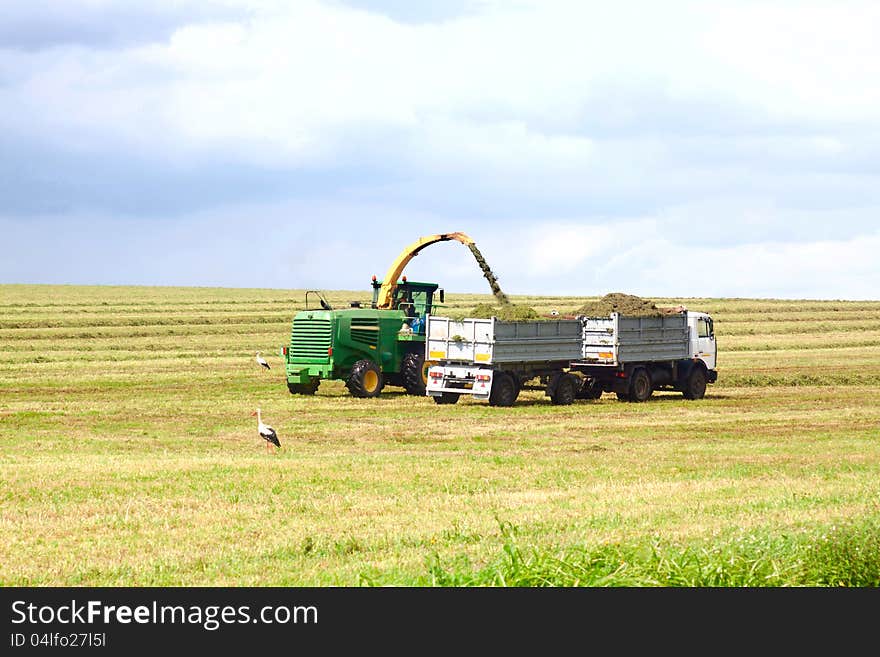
x=128 y=457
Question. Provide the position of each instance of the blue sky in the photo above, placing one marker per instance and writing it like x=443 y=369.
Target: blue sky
x=674 y=149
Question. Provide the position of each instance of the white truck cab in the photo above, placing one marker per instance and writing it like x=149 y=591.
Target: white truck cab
x=701 y=330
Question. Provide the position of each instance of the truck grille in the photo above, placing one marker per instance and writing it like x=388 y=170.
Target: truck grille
x=365 y=330
x=310 y=338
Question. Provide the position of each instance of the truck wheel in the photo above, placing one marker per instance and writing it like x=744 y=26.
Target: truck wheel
x=623 y=396
x=309 y=388
x=517 y=384
x=641 y=387
x=446 y=398
x=365 y=379
x=695 y=385
x=504 y=392
x=414 y=373
x=566 y=389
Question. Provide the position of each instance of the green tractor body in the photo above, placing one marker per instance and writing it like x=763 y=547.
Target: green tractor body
x=365 y=347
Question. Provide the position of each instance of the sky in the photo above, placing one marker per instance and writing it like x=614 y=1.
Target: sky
x=678 y=149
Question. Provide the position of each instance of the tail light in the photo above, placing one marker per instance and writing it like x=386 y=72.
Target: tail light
x=285 y=350
x=483 y=377
x=620 y=375
x=329 y=351
x=436 y=375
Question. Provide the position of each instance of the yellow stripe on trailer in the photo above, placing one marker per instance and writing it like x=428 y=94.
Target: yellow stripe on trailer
x=483 y=358
x=436 y=355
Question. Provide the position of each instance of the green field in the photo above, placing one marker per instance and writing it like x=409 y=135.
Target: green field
x=129 y=457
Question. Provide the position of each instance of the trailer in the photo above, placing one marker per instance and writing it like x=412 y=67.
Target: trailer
x=570 y=359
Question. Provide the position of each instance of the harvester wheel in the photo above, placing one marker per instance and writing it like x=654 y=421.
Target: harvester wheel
x=695 y=384
x=641 y=388
x=566 y=389
x=446 y=398
x=415 y=373
x=504 y=390
x=309 y=388
x=365 y=379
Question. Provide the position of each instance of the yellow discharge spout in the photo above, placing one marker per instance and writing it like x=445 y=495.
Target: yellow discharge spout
x=389 y=283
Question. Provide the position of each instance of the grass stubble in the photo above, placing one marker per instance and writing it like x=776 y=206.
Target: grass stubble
x=128 y=457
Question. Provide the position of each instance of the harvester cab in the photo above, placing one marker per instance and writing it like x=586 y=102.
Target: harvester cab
x=414 y=300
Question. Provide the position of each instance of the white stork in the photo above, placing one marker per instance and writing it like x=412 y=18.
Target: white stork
x=262 y=361
x=267 y=433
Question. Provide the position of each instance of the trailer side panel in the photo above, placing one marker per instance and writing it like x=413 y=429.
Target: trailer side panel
x=618 y=340
x=493 y=341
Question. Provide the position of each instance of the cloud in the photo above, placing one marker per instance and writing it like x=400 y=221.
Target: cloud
x=565 y=124
x=650 y=257
x=406 y=11
x=33 y=25
x=295 y=81
x=324 y=245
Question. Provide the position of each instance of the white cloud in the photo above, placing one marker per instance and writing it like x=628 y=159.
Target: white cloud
x=645 y=256
x=639 y=137
x=298 y=80
x=339 y=246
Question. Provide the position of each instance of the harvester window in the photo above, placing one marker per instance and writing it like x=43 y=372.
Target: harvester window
x=412 y=303
x=419 y=301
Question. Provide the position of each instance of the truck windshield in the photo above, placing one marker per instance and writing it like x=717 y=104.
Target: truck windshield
x=704 y=328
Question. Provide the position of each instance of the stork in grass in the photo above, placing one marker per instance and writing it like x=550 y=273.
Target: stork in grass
x=262 y=361
x=267 y=433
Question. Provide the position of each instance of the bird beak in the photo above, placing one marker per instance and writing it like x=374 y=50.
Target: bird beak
x=254 y=414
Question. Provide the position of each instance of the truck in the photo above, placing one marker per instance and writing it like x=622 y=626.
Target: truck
x=367 y=347
x=580 y=358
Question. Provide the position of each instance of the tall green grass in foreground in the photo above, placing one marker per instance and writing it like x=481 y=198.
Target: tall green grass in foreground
x=827 y=556
x=128 y=457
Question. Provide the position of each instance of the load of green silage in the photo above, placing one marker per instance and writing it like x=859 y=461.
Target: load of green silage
x=625 y=304
x=615 y=302
x=507 y=311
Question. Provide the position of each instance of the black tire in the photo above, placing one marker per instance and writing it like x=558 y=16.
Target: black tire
x=695 y=384
x=504 y=390
x=640 y=387
x=414 y=373
x=309 y=388
x=566 y=389
x=446 y=398
x=518 y=384
x=365 y=379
